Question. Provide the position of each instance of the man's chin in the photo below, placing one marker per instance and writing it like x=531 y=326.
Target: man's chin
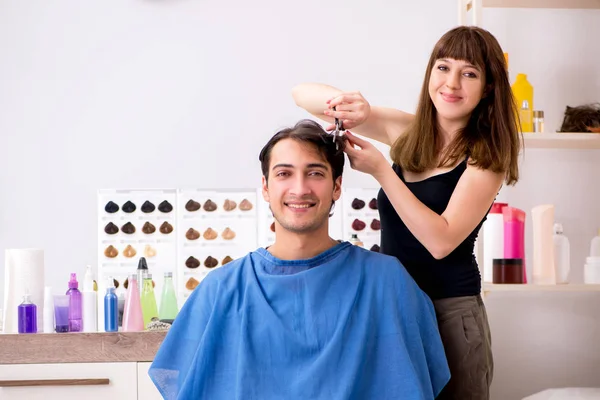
x=300 y=228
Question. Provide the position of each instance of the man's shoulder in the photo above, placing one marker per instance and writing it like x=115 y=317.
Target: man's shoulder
x=377 y=264
x=372 y=257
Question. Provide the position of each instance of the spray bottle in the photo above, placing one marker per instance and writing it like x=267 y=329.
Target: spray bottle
x=75 y=321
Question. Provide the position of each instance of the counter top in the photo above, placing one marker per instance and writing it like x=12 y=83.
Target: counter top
x=50 y=348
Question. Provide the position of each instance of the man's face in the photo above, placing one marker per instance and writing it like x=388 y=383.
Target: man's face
x=300 y=188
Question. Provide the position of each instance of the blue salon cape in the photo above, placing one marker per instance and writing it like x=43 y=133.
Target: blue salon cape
x=346 y=324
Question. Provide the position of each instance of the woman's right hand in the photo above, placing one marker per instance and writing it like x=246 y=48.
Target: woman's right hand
x=352 y=109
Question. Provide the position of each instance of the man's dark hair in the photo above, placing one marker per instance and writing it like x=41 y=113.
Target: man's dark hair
x=308 y=131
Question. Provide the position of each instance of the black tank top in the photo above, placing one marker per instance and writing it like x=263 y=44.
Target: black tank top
x=453 y=276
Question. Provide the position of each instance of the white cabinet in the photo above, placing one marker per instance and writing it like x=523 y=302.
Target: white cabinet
x=146 y=389
x=90 y=381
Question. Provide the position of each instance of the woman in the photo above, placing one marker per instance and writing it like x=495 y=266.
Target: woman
x=450 y=160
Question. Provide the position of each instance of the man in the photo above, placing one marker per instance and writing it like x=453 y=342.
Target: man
x=308 y=317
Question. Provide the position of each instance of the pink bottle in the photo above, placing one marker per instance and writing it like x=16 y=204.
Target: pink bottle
x=133 y=320
x=514 y=235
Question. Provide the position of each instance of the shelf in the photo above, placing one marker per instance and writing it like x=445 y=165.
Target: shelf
x=570 y=287
x=562 y=140
x=476 y=6
x=571 y=4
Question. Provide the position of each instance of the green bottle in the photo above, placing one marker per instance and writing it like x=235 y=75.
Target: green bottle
x=168 y=299
x=148 y=300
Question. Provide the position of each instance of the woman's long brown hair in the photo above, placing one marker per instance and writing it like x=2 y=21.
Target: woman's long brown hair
x=491 y=137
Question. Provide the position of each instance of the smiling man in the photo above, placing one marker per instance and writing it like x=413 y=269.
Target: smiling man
x=308 y=317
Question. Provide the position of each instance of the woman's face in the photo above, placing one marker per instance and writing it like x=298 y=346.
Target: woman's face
x=455 y=87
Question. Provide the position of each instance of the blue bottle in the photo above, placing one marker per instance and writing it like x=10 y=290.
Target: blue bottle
x=111 y=310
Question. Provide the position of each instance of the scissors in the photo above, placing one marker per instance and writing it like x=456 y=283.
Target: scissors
x=337 y=132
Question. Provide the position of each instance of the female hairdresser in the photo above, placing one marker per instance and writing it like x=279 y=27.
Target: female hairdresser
x=450 y=160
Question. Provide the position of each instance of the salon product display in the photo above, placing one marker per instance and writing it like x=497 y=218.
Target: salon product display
x=135 y=225
x=48 y=311
x=27 y=314
x=523 y=93
x=542 y=221
x=89 y=303
x=168 y=306
x=493 y=240
x=111 y=311
x=591 y=268
x=562 y=254
x=148 y=301
x=75 y=305
x=133 y=320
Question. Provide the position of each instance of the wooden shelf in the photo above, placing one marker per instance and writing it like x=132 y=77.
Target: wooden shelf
x=572 y=4
x=52 y=348
x=475 y=7
x=562 y=140
x=570 y=287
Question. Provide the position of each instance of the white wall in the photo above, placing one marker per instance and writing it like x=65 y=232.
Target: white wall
x=181 y=93
x=161 y=94
x=543 y=340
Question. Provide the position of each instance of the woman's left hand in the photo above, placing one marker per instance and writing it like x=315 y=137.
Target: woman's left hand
x=367 y=159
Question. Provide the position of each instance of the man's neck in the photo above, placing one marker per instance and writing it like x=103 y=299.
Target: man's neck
x=294 y=246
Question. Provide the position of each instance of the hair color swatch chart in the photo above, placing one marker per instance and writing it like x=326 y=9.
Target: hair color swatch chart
x=190 y=232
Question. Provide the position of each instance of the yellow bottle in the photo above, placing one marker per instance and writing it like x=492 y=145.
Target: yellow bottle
x=523 y=93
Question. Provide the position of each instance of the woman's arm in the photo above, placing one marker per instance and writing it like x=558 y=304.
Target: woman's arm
x=379 y=123
x=440 y=234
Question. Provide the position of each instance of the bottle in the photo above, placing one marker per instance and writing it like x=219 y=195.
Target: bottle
x=526 y=117
x=89 y=302
x=514 y=235
x=168 y=299
x=111 y=308
x=149 y=309
x=544 y=272
x=595 y=246
x=493 y=240
x=142 y=271
x=538 y=121
x=356 y=241
x=75 y=322
x=133 y=320
x=61 y=313
x=523 y=94
x=48 y=312
x=562 y=254
x=27 y=315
